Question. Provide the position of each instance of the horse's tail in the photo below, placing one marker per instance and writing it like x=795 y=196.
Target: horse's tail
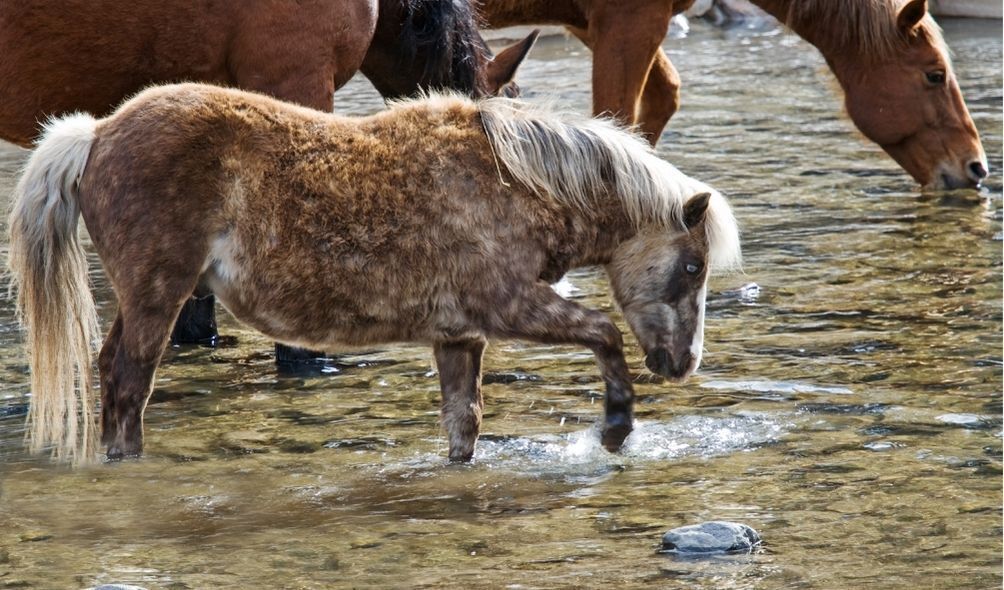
x=54 y=302
x=443 y=33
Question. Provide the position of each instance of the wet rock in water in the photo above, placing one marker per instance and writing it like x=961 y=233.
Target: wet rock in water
x=116 y=587
x=245 y=441
x=709 y=538
x=507 y=378
x=35 y=537
x=724 y=13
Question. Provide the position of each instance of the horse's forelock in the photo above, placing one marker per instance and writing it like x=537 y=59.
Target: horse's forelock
x=724 y=252
x=444 y=33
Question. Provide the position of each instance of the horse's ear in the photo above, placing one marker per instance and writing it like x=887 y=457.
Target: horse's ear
x=695 y=209
x=911 y=14
x=502 y=68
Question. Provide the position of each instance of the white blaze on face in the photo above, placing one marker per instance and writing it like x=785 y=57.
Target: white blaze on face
x=697 y=344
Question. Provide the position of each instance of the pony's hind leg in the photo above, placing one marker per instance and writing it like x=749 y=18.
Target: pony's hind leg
x=150 y=296
x=105 y=362
x=144 y=332
x=459 y=365
x=544 y=316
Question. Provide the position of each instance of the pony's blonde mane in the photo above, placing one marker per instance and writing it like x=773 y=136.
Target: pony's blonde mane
x=870 y=26
x=577 y=159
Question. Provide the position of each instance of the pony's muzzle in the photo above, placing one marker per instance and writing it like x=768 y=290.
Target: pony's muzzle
x=660 y=362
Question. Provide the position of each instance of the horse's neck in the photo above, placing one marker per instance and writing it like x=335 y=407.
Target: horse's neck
x=596 y=234
x=807 y=29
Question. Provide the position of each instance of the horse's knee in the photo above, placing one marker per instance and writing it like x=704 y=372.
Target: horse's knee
x=606 y=336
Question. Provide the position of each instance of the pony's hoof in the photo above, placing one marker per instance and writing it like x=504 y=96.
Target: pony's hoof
x=615 y=430
x=461 y=458
x=115 y=454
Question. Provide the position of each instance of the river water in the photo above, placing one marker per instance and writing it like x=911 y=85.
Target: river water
x=849 y=405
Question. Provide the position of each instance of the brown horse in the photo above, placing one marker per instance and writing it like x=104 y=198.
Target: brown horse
x=90 y=55
x=440 y=221
x=888 y=55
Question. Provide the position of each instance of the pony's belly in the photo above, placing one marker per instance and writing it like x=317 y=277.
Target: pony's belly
x=330 y=308
x=327 y=324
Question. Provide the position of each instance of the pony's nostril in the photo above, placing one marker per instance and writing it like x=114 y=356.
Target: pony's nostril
x=978 y=170
x=684 y=363
x=658 y=361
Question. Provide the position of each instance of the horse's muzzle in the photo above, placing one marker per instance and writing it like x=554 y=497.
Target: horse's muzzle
x=660 y=362
x=969 y=174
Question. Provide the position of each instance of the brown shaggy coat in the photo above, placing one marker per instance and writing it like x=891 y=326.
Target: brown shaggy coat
x=439 y=221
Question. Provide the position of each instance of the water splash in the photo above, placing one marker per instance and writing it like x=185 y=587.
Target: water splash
x=780 y=387
x=686 y=436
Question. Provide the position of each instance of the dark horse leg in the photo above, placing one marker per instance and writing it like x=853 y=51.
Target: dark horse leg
x=459 y=365
x=197 y=321
x=546 y=317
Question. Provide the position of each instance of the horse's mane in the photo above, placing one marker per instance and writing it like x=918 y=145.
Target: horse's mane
x=444 y=33
x=575 y=159
x=868 y=25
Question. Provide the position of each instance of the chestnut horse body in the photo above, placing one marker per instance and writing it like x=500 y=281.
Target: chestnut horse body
x=90 y=55
x=440 y=221
x=888 y=56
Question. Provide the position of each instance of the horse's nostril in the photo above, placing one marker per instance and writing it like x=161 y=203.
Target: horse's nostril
x=978 y=170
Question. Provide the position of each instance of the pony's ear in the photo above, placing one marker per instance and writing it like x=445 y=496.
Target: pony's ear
x=502 y=68
x=911 y=14
x=695 y=209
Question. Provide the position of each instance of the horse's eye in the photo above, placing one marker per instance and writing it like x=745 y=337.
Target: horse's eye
x=692 y=268
x=937 y=77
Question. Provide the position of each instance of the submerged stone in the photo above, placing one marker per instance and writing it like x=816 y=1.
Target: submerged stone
x=116 y=587
x=711 y=537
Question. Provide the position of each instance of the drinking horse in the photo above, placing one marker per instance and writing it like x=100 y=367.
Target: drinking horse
x=440 y=221
x=90 y=55
x=888 y=56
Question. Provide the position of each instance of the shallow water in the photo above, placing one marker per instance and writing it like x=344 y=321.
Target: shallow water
x=848 y=408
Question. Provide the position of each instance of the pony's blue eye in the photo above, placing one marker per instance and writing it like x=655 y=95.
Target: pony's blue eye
x=692 y=268
x=937 y=78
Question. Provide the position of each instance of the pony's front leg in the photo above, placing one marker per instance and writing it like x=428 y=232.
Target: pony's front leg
x=459 y=365
x=546 y=317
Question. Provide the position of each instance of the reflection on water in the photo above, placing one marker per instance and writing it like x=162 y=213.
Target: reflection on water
x=848 y=407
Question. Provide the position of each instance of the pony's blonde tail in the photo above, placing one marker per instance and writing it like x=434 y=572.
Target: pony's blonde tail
x=54 y=302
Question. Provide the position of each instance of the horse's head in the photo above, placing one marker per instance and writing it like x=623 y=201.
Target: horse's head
x=500 y=70
x=428 y=45
x=908 y=101
x=659 y=278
